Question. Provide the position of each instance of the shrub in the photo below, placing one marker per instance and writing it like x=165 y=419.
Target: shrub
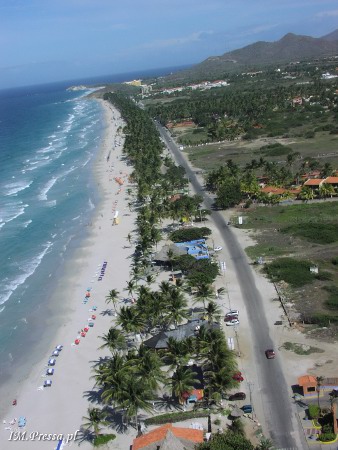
x=314 y=411
x=310 y=134
x=203 y=271
x=335 y=261
x=332 y=301
x=295 y=272
x=190 y=234
x=327 y=437
x=324 y=320
x=320 y=233
x=102 y=439
x=275 y=149
x=184 y=263
x=175 y=417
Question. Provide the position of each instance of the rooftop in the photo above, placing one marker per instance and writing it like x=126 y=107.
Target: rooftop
x=168 y=437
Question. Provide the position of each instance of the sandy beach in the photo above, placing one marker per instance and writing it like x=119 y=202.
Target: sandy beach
x=59 y=409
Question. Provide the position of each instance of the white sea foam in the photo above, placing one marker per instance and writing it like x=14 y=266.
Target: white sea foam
x=14 y=188
x=91 y=204
x=11 y=211
x=44 y=191
x=25 y=224
x=25 y=270
x=75 y=218
x=87 y=161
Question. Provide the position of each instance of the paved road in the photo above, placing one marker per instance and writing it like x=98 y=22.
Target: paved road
x=276 y=398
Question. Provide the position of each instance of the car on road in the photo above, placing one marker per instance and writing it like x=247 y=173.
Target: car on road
x=232 y=312
x=218 y=248
x=247 y=409
x=230 y=318
x=232 y=322
x=270 y=353
x=237 y=396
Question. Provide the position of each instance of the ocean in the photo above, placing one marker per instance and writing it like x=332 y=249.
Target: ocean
x=49 y=138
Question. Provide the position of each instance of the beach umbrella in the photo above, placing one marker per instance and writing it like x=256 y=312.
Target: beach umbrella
x=55 y=353
x=83 y=334
x=86 y=329
x=88 y=294
x=59 y=347
x=77 y=341
x=93 y=317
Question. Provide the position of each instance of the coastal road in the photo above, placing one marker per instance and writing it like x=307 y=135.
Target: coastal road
x=276 y=399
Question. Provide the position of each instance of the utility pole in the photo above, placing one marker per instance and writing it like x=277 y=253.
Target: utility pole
x=250 y=386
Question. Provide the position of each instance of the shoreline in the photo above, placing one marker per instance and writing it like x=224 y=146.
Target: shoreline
x=64 y=400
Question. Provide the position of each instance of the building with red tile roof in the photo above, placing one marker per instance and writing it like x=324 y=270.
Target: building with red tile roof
x=168 y=437
x=314 y=183
x=331 y=180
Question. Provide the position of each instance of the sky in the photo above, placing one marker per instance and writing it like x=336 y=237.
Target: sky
x=43 y=41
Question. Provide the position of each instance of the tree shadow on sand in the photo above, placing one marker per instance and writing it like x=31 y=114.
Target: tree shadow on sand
x=94 y=396
x=107 y=312
x=166 y=403
x=116 y=419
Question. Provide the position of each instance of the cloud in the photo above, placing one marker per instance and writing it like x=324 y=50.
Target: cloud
x=332 y=13
x=177 y=41
x=259 y=29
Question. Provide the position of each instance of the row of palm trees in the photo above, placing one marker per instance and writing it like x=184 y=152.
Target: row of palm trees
x=133 y=377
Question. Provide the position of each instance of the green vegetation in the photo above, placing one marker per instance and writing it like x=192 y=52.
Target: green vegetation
x=314 y=411
x=203 y=271
x=190 y=234
x=300 y=349
x=332 y=301
x=327 y=437
x=103 y=439
x=265 y=250
x=227 y=441
x=294 y=272
x=176 y=417
x=320 y=233
x=275 y=149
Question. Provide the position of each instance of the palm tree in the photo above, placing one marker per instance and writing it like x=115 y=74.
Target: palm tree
x=94 y=419
x=176 y=307
x=112 y=297
x=129 y=238
x=212 y=312
x=326 y=190
x=148 y=368
x=306 y=194
x=204 y=292
x=265 y=444
x=177 y=352
x=131 y=286
x=114 y=340
x=183 y=381
x=319 y=381
x=133 y=396
x=130 y=320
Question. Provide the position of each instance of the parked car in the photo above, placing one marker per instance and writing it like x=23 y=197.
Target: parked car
x=247 y=409
x=237 y=396
x=230 y=318
x=270 y=353
x=232 y=312
x=232 y=322
x=218 y=248
x=238 y=376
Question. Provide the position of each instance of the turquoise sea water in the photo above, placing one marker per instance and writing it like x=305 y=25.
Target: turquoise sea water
x=49 y=138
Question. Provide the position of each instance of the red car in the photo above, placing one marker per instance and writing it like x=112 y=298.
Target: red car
x=270 y=353
x=238 y=376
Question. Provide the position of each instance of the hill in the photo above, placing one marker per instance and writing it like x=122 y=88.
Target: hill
x=289 y=48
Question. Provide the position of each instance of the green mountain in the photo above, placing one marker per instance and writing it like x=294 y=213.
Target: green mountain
x=289 y=48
